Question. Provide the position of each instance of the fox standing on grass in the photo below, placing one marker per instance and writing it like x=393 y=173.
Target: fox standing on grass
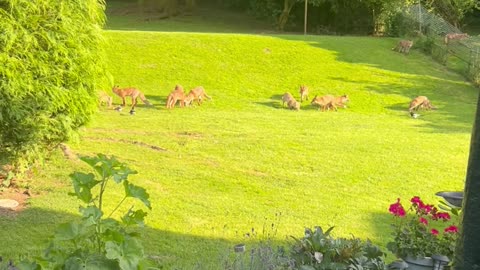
x=403 y=46
x=420 y=102
x=104 y=98
x=176 y=95
x=130 y=92
x=330 y=102
x=303 y=93
x=291 y=102
x=197 y=93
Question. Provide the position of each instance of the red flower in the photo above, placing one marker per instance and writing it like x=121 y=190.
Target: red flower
x=397 y=209
x=423 y=220
x=416 y=200
x=442 y=215
x=434 y=232
x=451 y=229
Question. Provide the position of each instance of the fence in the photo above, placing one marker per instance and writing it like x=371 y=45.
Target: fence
x=460 y=52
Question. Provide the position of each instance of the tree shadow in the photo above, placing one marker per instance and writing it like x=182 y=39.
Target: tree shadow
x=125 y=15
x=26 y=234
x=448 y=91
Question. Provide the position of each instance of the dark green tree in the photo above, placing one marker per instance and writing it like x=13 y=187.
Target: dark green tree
x=51 y=64
x=468 y=248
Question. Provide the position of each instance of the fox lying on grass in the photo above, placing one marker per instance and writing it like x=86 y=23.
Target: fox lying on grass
x=420 y=102
x=130 y=92
x=176 y=95
x=330 y=102
x=454 y=36
x=197 y=93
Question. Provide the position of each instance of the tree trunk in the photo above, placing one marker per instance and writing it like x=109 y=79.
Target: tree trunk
x=468 y=248
x=283 y=19
x=190 y=5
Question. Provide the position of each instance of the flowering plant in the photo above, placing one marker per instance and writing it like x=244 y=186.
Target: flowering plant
x=417 y=234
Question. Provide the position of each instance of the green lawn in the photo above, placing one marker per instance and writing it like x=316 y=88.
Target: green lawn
x=239 y=160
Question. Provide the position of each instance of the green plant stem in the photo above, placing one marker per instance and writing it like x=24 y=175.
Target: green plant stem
x=118 y=205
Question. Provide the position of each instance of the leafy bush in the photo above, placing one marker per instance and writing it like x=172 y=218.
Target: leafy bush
x=51 y=63
x=318 y=250
x=98 y=241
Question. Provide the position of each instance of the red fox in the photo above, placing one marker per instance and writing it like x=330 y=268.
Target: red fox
x=197 y=93
x=420 y=102
x=293 y=104
x=104 y=98
x=176 y=95
x=303 y=93
x=403 y=46
x=454 y=36
x=286 y=98
x=330 y=102
x=130 y=92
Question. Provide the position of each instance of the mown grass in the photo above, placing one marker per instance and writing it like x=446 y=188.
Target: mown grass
x=238 y=161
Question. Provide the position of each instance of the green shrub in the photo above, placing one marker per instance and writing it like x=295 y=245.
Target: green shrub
x=318 y=250
x=51 y=63
x=98 y=241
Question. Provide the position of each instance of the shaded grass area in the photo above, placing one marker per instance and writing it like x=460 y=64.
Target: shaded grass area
x=220 y=169
x=123 y=15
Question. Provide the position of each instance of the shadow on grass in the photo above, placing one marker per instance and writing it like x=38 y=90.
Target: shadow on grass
x=449 y=92
x=123 y=15
x=26 y=234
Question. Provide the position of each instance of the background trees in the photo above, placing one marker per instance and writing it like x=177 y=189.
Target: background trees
x=325 y=16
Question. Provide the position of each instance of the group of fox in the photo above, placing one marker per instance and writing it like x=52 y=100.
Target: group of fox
x=177 y=95
x=404 y=46
x=198 y=93
x=326 y=102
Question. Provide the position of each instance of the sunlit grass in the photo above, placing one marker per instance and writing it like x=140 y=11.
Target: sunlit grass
x=235 y=162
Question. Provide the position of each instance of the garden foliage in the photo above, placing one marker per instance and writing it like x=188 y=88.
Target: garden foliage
x=318 y=250
x=98 y=241
x=50 y=65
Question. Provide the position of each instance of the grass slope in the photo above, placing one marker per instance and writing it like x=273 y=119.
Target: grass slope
x=239 y=160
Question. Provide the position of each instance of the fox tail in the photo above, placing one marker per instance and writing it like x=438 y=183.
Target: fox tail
x=142 y=97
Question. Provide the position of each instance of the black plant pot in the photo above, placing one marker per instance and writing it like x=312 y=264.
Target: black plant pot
x=454 y=198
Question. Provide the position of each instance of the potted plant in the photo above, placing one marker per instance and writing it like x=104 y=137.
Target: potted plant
x=421 y=233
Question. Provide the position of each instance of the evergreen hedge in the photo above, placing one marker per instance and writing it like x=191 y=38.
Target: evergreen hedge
x=51 y=63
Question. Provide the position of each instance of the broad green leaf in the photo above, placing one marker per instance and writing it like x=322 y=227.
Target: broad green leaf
x=134 y=217
x=92 y=214
x=92 y=262
x=83 y=184
x=129 y=253
x=134 y=191
x=68 y=231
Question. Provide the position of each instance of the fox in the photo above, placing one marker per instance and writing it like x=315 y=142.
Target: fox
x=293 y=104
x=176 y=95
x=303 y=93
x=454 y=36
x=403 y=46
x=286 y=98
x=324 y=102
x=105 y=99
x=197 y=93
x=342 y=101
x=420 y=102
x=130 y=92
x=330 y=102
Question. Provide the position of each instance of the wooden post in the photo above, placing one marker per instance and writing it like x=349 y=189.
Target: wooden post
x=305 y=20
